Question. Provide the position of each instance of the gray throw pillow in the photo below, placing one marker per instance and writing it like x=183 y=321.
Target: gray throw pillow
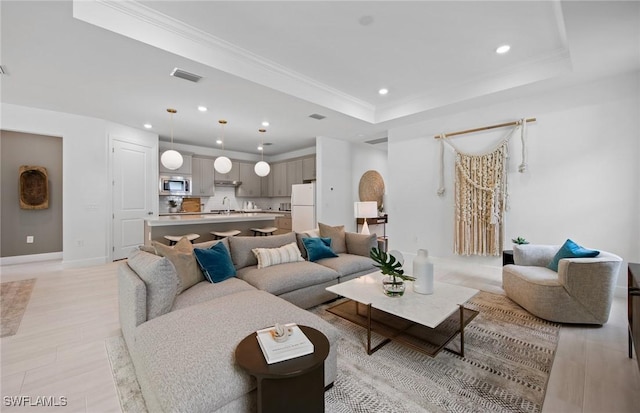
x=338 y=243
x=160 y=278
x=360 y=244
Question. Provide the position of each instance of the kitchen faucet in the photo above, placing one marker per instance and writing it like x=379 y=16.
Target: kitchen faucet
x=228 y=204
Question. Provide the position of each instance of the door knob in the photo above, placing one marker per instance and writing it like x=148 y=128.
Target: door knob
x=150 y=213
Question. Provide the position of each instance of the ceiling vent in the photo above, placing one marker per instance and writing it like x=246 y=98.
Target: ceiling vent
x=377 y=141
x=183 y=74
x=317 y=116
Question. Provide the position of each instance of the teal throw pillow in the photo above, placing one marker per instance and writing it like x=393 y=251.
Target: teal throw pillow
x=215 y=263
x=571 y=250
x=318 y=248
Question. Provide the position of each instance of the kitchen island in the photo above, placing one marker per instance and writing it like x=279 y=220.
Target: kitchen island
x=180 y=224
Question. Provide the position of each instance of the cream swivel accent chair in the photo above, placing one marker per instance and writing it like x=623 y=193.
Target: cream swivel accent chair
x=580 y=292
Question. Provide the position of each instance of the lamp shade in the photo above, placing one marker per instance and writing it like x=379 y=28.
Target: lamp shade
x=262 y=168
x=222 y=164
x=365 y=209
x=171 y=159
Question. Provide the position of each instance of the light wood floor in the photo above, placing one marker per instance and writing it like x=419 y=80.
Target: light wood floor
x=59 y=349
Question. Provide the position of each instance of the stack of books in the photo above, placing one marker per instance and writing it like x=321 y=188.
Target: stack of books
x=296 y=345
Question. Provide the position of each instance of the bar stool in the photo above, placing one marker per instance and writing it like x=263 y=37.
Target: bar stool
x=224 y=234
x=173 y=239
x=264 y=231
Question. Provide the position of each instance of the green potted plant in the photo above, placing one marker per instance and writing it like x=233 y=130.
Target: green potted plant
x=393 y=283
x=519 y=241
x=173 y=205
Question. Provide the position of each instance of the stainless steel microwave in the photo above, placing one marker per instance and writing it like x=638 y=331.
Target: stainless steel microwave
x=175 y=185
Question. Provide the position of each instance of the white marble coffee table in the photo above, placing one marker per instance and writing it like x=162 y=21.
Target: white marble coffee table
x=425 y=322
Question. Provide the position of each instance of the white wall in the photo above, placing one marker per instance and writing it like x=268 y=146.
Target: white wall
x=582 y=183
x=86 y=194
x=340 y=166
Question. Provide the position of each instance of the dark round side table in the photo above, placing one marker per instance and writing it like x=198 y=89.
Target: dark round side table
x=295 y=385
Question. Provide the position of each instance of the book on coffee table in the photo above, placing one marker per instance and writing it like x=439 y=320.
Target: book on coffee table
x=296 y=345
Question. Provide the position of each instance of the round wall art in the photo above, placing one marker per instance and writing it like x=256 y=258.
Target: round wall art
x=371 y=187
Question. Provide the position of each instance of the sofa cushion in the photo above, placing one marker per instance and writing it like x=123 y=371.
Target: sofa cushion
x=215 y=263
x=187 y=357
x=571 y=250
x=318 y=248
x=160 y=278
x=346 y=264
x=182 y=257
x=205 y=291
x=360 y=244
x=284 y=278
x=338 y=244
x=273 y=256
x=241 y=247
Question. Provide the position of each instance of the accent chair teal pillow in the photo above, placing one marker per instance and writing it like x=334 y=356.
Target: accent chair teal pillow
x=215 y=263
x=571 y=250
x=318 y=248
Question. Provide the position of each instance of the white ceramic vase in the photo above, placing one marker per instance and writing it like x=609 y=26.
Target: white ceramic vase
x=423 y=272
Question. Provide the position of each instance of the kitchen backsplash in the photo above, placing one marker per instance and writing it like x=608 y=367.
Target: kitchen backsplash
x=215 y=202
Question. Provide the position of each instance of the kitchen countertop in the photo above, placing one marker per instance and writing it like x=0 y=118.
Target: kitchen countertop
x=190 y=218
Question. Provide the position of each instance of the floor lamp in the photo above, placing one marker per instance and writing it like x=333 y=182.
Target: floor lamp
x=365 y=210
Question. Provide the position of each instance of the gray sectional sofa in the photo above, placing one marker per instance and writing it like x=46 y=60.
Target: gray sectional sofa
x=182 y=331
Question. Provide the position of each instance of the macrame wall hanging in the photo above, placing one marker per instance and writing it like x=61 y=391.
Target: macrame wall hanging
x=481 y=192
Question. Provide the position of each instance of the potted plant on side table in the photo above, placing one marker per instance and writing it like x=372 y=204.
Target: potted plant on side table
x=393 y=283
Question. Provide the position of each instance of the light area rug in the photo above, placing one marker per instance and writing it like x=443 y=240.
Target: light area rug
x=508 y=358
x=14 y=298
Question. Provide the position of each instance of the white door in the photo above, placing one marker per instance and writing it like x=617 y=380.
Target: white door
x=133 y=184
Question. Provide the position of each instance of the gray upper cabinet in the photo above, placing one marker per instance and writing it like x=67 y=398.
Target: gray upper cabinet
x=279 y=171
x=185 y=169
x=232 y=175
x=203 y=176
x=267 y=185
x=309 y=169
x=294 y=174
x=251 y=183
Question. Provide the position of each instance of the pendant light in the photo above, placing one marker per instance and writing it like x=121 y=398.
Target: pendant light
x=262 y=168
x=171 y=159
x=222 y=164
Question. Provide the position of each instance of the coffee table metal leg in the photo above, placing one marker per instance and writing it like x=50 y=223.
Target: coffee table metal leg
x=370 y=350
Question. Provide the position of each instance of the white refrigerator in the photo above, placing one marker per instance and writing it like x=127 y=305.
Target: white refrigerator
x=303 y=207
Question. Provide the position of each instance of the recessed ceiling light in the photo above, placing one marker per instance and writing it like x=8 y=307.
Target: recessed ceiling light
x=202 y=108
x=259 y=148
x=503 y=49
x=147 y=126
x=265 y=123
x=383 y=91
x=219 y=141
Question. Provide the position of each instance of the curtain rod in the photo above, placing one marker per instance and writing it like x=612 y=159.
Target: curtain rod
x=501 y=125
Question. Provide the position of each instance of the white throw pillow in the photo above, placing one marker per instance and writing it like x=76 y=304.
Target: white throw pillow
x=273 y=256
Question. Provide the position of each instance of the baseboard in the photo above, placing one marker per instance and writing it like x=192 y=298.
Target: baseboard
x=90 y=262
x=25 y=259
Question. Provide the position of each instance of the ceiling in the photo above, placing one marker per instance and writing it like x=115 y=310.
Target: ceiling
x=283 y=61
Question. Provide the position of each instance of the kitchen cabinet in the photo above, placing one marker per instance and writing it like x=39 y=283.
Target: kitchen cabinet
x=266 y=189
x=203 y=176
x=283 y=224
x=309 y=169
x=232 y=175
x=294 y=174
x=279 y=171
x=251 y=183
x=185 y=169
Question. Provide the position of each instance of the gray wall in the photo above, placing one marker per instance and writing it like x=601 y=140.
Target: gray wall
x=16 y=224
